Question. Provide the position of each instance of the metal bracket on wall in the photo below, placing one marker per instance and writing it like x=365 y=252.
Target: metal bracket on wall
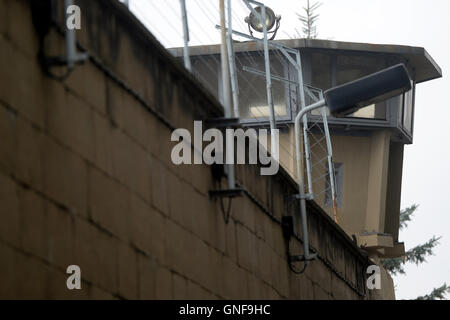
x=302 y=258
x=227 y=193
x=72 y=57
x=223 y=123
x=307 y=196
x=287 y=224
x=230 y=194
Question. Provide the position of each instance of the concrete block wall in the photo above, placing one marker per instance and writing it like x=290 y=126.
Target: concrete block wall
x=86 y=179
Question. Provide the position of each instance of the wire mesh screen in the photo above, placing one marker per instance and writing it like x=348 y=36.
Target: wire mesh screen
x=325 y=177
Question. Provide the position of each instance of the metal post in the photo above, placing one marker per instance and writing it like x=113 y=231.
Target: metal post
x=72 y=55
x=301 y=185
x=232 y=62
x=273 y=127
x=71 y=50
x=273 y=146
x=226 y=93
x=305 y=125
x=187 y=59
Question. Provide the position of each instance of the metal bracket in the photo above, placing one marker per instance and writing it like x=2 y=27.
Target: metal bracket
x=308 y=197
x=301 y=258
x=223 y=123
x=72 y=56
x=227 y=193
x=59 y=61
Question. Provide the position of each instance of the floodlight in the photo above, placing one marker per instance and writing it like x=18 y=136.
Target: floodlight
x=350 y=97
x=272 y=21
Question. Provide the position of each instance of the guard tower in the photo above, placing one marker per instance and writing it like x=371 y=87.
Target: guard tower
x=368 y=145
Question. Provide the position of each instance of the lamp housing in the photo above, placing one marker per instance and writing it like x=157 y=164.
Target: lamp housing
x=345 y=99
x=272 y=21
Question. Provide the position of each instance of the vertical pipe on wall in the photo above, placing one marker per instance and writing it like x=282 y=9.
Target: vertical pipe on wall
x=187 y=59
x=305 y=125
x=232 y=62
x=71 y=53
x=300 y=180
x=301 y=186
x=226 y=92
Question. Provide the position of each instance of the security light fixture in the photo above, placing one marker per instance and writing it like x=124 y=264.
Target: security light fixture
x=272 y=22
x=350 y=97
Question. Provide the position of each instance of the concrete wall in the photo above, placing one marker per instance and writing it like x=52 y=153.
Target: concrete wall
x=354 y=194
x=394 y=189
x=86 y=179
x=371 y=187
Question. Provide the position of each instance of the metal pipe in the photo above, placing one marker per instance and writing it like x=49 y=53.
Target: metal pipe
x=305 y=125
x=71 y=49
x=226 y=93
x=72 y=55
x=232 y=62
x=273 y=146
x=187 y=59
x=301 y=186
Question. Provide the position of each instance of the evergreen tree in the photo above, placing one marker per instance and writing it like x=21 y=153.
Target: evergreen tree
x=309 y=20
x=437 y=294
x=416 y=255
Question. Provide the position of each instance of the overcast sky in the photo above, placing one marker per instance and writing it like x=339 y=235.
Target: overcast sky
x=408 y=22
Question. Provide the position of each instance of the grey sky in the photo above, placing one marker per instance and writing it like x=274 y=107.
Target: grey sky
x=421 y=23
